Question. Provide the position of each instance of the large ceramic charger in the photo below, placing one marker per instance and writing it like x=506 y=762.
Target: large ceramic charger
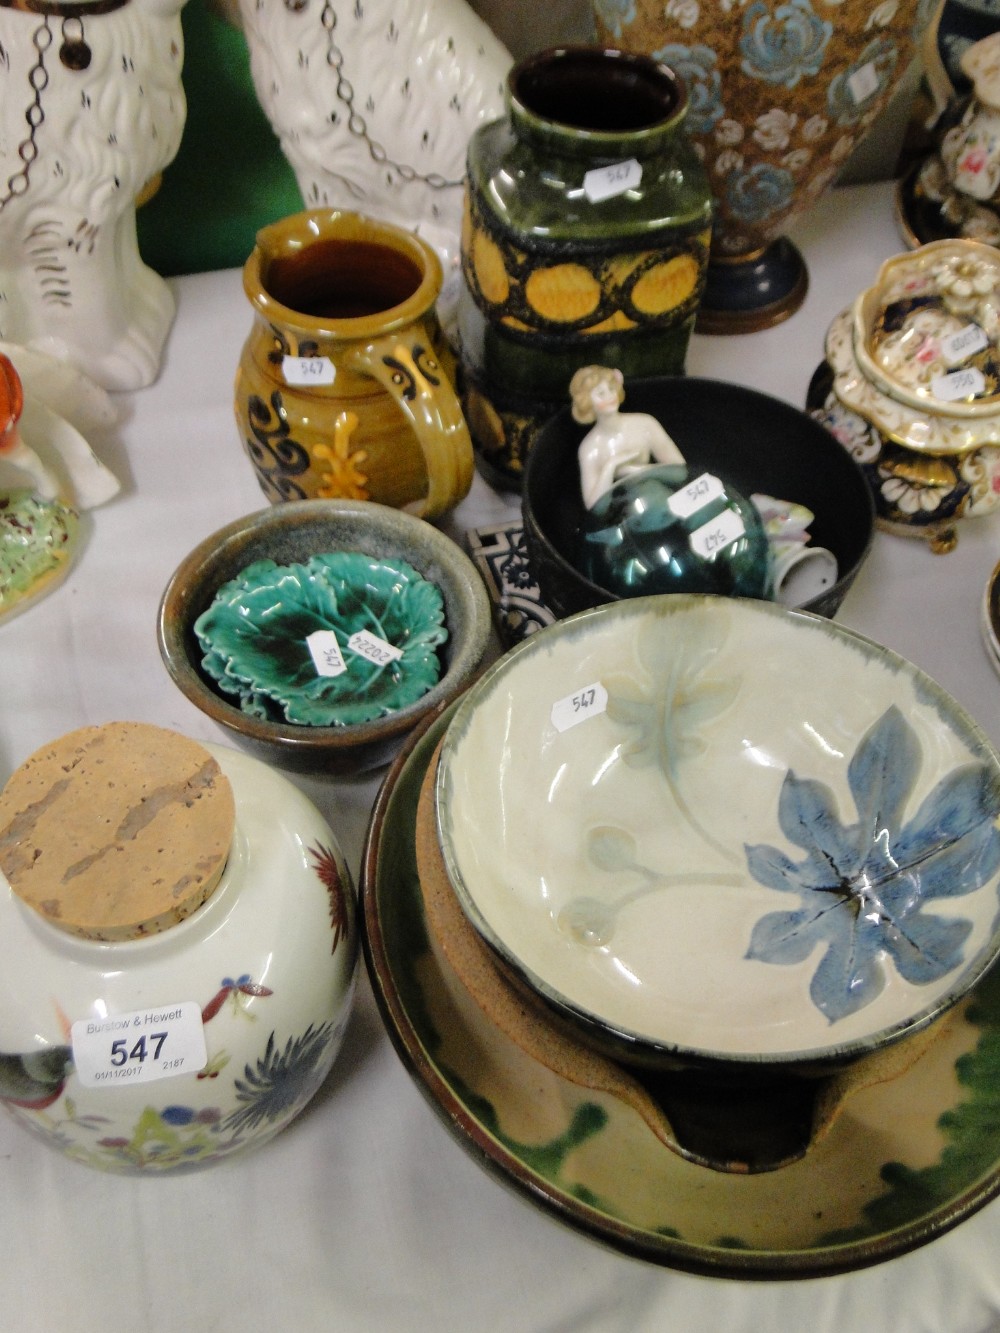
x=719 y=830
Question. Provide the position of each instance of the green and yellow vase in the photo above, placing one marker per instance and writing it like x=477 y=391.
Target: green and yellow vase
x=586 y=239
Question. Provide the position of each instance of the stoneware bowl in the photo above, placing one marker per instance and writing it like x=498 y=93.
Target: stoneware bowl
x=295 y=534
x=723 y=834
x=753 y=442
x=911 y=387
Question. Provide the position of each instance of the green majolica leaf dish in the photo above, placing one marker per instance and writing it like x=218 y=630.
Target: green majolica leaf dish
x=256 y=638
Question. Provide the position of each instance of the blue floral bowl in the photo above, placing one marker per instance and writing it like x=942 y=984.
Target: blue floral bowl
x=721 y=830
x=237 y=611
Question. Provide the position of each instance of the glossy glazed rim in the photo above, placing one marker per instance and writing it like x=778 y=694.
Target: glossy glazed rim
x=990 y=618
x=460 y=1114
x=180 y=607
x=631 y=1045
x=303 y=228
x=583 y=139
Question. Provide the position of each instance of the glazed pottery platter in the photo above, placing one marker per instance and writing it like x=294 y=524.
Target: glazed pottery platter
x=907 y=1159
x=695 y=850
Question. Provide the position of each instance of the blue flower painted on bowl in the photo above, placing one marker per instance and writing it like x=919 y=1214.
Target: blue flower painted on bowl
x=615 y=14
x=697 y=67
x=758 y=193
x=865 y=81
x=864 y=885
x=257 y=638
x=785 y=45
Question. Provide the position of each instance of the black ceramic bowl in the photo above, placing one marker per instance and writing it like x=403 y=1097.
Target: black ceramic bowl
x=754 y=442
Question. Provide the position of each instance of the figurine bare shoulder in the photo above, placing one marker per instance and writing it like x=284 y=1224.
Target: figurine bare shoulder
x=619 y=443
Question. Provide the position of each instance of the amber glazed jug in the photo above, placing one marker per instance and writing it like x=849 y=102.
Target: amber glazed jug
x=339 y=391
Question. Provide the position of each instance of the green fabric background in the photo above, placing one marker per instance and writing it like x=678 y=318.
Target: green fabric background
x=229 y=176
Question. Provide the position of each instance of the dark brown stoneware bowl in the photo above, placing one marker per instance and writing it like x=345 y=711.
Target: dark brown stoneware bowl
x=293 y=532
x=754 y=442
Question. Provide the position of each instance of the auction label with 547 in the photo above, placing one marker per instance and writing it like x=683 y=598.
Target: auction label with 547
x=139 y=1047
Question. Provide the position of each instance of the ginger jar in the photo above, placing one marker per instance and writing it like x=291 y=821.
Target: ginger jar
x=911 y=387
x=585 y=239
x=177 y=931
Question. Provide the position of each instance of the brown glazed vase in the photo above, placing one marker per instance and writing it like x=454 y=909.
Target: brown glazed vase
x=781 y=92
x=340 y=393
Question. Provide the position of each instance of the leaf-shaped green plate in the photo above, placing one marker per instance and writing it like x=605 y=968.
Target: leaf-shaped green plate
x=254 y=637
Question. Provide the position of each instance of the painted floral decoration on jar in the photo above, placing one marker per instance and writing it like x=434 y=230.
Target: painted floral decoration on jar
x=780 y=94
x=178 y=944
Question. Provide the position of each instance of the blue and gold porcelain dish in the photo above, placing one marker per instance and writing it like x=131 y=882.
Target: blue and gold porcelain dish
x=265 y=632
x=261 y=667
x=723 y=832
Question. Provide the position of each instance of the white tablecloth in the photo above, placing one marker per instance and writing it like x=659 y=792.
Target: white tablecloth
x=365 y=1214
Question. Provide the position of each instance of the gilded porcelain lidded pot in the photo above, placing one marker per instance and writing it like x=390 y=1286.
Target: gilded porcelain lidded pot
x=911 y=386
x=178 y=949
x=959 y=185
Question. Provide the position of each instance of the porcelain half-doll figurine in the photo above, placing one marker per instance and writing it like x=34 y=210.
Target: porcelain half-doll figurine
x=651 y=524
x=621 y=443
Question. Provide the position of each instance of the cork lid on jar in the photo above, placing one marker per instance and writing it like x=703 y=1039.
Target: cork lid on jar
x=118 y=831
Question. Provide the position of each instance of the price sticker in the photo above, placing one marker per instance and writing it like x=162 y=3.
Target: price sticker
x=589 y=702
x=325 y=653
x=958 y=347
x=695 y=495
x=863 y=83
x=606 y=182
x=958 y=384
x=139 y=1047
x=717 y=534
x=301 y=371
x=373 y=649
